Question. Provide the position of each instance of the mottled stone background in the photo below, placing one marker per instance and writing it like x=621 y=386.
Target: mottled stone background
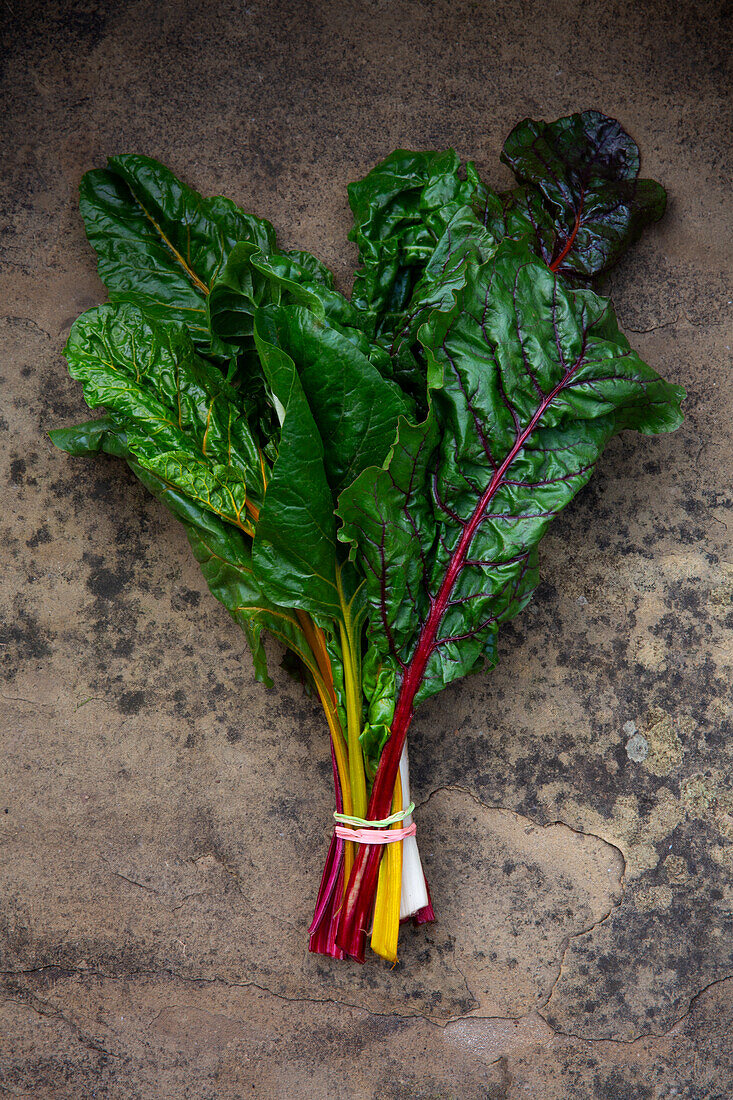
x=163 y=818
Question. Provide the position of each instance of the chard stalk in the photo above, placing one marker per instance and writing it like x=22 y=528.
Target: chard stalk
x=327 y=694
x=350 y=633
x=414 y=893
x=386 y=927
x=352 y=687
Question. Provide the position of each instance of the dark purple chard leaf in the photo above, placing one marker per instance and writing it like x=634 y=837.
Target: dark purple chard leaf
x=528 y=379
x=582 y=199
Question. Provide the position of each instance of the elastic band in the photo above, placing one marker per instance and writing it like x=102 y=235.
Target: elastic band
x=363 y=823
x=363 y=831
x=375 y=836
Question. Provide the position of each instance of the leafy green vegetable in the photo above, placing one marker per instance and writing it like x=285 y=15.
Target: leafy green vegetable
x=463 y=239
x=369 y=479
x=400 y=211
x=389 y=231
x=251 y=279
x=580 y=205
x=380 y=692
x=355 y=408
x=528 y=380
x=295 y=550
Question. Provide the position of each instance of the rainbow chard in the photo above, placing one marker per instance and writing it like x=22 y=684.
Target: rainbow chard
x=528 y=379
x=368 y=480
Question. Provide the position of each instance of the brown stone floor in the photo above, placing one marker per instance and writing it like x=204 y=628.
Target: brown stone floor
x=163 y=818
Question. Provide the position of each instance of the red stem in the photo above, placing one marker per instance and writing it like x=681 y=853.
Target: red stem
x=322 y=939
x=362 y=884
x=569 y=242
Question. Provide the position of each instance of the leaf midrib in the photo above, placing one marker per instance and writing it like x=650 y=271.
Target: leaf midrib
x=438 y=604
x=189 y=271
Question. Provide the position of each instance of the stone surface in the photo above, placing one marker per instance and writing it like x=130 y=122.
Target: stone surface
x=163 y=817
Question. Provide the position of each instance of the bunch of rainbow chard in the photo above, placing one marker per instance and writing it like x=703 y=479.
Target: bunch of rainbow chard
x=368 y=479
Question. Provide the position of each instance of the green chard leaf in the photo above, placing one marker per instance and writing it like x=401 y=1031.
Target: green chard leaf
x=528 y=379
x=160 y=244
x=223 y=552
x=355 y=408
x=400 y=211
x=580 y=205
x=389 y=231
x=379 y=686
x=181 y=420
x=251 y=279
x=338 y=417
x=582 y=200
x=295 y=552
x=463 y=240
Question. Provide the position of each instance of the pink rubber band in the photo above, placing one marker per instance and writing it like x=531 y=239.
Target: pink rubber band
x=374 y=836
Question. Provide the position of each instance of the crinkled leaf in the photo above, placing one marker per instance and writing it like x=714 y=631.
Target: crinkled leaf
x=313 y=265
x=389 y=230
x=224 y=554
x=464 y=239
x=251 y=279
x=400 y=211
x=529 y=380
x=180 y=418
x=160 y=244
x=583 y=199
x=355 y=408
x=101 y=435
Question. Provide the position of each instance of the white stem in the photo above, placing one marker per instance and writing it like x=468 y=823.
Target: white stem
x=414 y=894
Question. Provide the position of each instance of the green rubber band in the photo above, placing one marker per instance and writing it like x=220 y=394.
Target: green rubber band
x=362 y=823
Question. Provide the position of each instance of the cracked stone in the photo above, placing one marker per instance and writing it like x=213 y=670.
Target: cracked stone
x=163 y=817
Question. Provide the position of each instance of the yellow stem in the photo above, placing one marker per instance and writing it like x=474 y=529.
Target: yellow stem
x=327 y=692
x=386 y=928
x=317 y=642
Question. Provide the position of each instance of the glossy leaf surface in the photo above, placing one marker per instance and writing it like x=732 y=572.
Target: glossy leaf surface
x=251 y=279
x=583 y=200
x=400 y=211
x=160 y=244
x=529 y=379
x=355 y=408
x=295 y=550
x=180 y=418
